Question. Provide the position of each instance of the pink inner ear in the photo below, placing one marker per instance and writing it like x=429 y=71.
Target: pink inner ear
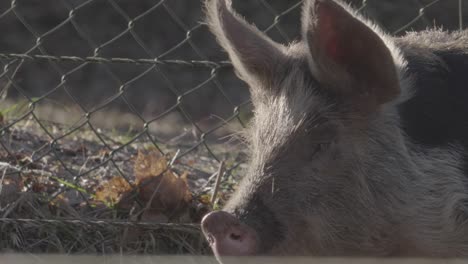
x=328 y=32
x=332 y=49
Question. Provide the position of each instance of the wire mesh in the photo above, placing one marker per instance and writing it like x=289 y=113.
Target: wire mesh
x=86 y=85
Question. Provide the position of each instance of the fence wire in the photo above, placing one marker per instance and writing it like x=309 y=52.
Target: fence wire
x=71 y=66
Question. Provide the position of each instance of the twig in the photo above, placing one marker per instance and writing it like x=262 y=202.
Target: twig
x=174 y=158
x=1 y=181
x=131 y=217
x=213 y=176
x=460 y=14
x=218 y=181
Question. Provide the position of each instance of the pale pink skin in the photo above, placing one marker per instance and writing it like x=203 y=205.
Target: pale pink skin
x=228 y=236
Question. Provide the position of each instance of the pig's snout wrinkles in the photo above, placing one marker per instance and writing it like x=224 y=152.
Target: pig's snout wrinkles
x=228 y=236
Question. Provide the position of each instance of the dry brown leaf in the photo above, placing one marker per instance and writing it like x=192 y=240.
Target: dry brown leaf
x=38 y=183
x=191 y=162
x=163 y=193
x=166 y=193
x=205 y=199
x=103 y=153
x=149 y=165
x=112 y=191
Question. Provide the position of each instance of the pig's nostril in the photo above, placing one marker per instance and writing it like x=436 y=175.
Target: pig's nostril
x=227 y=235
x=234 y=236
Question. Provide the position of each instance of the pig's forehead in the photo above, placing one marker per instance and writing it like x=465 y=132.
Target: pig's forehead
x=294 y=76
x=296 y=97
x=280 y=117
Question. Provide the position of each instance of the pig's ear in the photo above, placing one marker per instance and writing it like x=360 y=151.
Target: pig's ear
x=348 y=56
x=252 y=53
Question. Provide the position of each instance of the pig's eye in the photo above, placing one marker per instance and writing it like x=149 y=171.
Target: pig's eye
x=320 y=138
x=323 y=133
x=317 y=148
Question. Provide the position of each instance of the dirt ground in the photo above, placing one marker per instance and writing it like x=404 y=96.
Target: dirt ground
x=102 y=191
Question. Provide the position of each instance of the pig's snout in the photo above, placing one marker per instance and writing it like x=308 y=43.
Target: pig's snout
x=228 y=236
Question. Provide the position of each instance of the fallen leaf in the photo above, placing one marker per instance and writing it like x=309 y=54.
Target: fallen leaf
x=112 y=191
x=160 y=189
x=205 y=199
x=149 y=165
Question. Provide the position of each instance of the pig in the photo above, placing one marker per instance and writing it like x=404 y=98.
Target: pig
x=358 y=143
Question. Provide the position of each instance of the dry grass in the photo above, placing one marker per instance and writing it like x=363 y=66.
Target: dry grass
x=50 y=177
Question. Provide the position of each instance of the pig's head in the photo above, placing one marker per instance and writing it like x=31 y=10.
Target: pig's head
x=316 y=103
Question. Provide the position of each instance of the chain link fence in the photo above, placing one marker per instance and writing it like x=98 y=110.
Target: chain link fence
x=117 y=117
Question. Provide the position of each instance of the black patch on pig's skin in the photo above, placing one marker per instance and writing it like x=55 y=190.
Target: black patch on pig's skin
x=262 y=219
x=437 y=114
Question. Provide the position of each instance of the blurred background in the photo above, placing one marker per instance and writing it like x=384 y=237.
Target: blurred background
x=126 y=94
